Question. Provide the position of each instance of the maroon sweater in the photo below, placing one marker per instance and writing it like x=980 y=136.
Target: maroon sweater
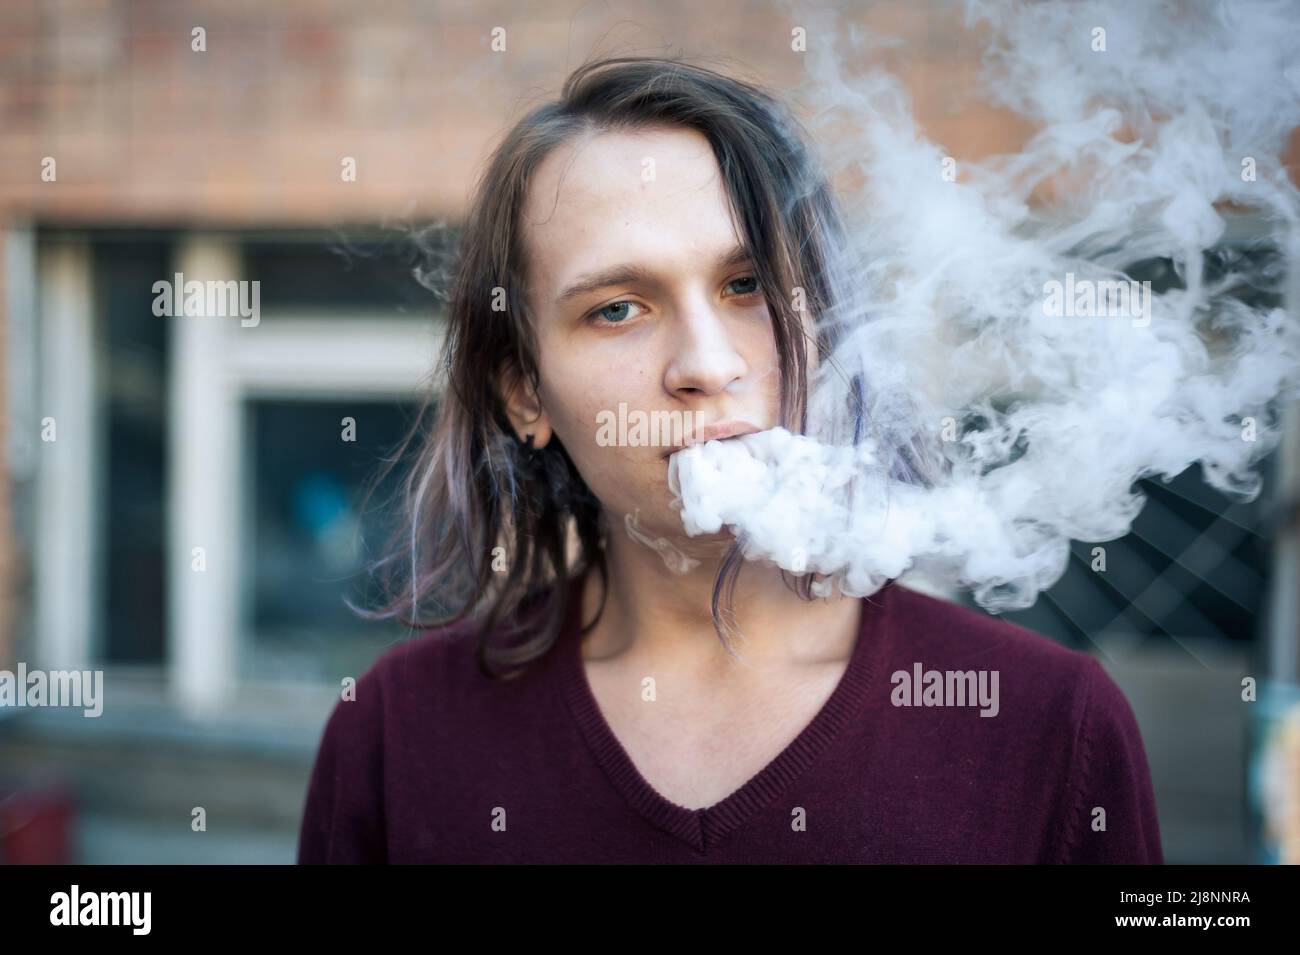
x=434 y=762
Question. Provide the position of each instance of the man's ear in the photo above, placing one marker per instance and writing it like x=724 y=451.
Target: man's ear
x=524 y=408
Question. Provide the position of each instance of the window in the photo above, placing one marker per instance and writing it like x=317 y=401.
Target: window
x=309 y=464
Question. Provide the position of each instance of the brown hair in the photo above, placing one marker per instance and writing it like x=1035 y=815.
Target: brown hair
x=474 y=486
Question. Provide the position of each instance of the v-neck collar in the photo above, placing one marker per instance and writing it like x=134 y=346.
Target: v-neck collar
x=701 y=828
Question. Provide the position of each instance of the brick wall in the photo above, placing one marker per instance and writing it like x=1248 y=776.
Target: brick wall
x=144 y=129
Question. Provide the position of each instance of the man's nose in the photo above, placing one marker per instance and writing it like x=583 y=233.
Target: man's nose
x=705 y=355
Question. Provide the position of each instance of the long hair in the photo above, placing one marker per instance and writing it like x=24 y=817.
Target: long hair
x=477 y=501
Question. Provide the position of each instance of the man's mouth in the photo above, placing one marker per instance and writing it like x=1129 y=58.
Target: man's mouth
x=718 y=431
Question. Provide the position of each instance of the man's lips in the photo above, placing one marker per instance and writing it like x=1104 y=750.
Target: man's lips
x=718 y=431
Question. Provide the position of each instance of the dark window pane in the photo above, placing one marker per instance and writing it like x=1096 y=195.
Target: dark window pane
x=339 y=277
x=306 y=532
x=133 y=383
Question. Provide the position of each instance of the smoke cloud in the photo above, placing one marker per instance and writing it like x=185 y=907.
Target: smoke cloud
x=1028 y=336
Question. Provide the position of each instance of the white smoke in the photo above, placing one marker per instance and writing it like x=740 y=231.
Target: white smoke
x=1155 y=148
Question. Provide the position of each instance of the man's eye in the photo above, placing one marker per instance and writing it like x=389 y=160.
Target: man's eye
x=615 y=313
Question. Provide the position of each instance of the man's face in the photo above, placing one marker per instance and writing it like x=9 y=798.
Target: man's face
x=684 y=330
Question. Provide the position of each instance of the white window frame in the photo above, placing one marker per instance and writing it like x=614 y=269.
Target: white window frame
x=66 y=546
x=217 y=365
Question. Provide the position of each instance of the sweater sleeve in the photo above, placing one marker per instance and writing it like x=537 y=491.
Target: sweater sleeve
x=1109 y=775
x=343 y=820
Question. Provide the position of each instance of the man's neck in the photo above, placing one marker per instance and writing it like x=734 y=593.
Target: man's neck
x=661 y=619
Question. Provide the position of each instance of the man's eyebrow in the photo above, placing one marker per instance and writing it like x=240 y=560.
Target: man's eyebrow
x=627 y=274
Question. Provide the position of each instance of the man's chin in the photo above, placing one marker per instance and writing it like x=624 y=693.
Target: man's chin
x=666 y=534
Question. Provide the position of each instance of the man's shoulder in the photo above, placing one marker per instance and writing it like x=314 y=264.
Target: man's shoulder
x=941 y=622
x=449 y=661
x=1034 y=669
x=432 y=659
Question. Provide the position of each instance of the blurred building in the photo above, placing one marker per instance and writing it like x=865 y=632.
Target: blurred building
x=192 y=527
